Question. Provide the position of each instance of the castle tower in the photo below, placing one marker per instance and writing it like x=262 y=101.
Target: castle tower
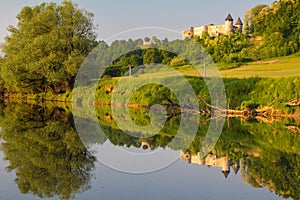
x=226 y=173
x=229 y=24
x=188 y=33
x=145 y=145
x=236 y=166
x=186 y=156
x=239 y=25
x=225 y=166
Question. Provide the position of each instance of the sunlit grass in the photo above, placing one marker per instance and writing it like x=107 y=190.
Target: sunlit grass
x=280 y=67
x=273 y=68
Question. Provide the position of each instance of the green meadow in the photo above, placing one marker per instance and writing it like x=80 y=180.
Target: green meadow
x=287 y=66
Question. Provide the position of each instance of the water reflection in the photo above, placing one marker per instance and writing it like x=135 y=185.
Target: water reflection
x=44 y=151
x=49 y=159
x=213 y=161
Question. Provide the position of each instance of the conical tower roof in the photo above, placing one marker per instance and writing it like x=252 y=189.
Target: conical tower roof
x=239 y=21
x=236 y=169
x=229 y=18
x=226 y=173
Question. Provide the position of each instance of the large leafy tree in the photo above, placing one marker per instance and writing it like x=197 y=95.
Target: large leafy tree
x=46 y=48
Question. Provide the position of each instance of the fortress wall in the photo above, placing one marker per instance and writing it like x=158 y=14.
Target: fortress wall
x=216 y=30
x=198 y=31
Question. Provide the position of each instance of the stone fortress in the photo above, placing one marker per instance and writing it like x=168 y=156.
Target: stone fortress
x=212 y=161
x=215 y=30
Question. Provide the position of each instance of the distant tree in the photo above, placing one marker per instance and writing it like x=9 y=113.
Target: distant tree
x=248 y=18
x=46 y=48
x=256 y=17
x=1 y=80
x=178 y=61
x=139 y=41
x=151 y=56
x=147 y=39
x=156 y=40
x=165 y=41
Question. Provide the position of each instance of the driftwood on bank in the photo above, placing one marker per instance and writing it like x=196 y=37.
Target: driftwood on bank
x=293 y=103
x=173 y=103
x=295 y=129
x=185 y=109
x=266 y=114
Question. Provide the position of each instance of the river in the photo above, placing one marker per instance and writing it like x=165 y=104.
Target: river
x=48 y=152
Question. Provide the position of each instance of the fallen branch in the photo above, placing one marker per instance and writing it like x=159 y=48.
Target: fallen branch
x=293 y=103
x=173 y=103
x=293 y=128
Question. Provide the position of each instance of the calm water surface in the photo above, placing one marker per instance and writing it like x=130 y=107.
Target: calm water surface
x=43 y=157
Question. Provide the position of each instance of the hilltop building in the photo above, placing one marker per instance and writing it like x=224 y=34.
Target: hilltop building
x=215 y=30
x=212 y=161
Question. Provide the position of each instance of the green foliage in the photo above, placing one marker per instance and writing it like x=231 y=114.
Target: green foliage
x=44 y=150
x=227 y=48
x=44 y=51
x=279 y=24
x=251 y=92
x=151 y=56
x=178 y=61
x=269 y=152
x=2 y=87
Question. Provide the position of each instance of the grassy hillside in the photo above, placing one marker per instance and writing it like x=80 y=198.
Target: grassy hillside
x=279 y=67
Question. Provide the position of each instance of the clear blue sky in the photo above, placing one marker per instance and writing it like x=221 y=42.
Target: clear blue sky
x=115 y=16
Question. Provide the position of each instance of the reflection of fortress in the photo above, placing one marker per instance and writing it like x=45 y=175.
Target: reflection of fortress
x=215 y=30
x=212 y=160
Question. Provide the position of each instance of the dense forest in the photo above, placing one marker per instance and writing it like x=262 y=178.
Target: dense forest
x=45 y=50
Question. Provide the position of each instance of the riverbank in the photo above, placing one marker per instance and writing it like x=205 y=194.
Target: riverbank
x=248 y=93
x=276 y=94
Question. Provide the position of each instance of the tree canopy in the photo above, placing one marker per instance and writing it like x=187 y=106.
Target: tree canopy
x=279 y=24
x=46 y=48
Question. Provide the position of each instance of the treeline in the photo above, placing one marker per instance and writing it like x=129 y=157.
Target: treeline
x=44 y=51
x=139 y=55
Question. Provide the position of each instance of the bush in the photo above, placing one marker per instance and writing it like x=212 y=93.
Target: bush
x=178 y=61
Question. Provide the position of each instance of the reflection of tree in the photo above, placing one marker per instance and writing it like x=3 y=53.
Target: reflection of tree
x=269 y=152
x=141 y=117
x=276 y=170
x=45 y=151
